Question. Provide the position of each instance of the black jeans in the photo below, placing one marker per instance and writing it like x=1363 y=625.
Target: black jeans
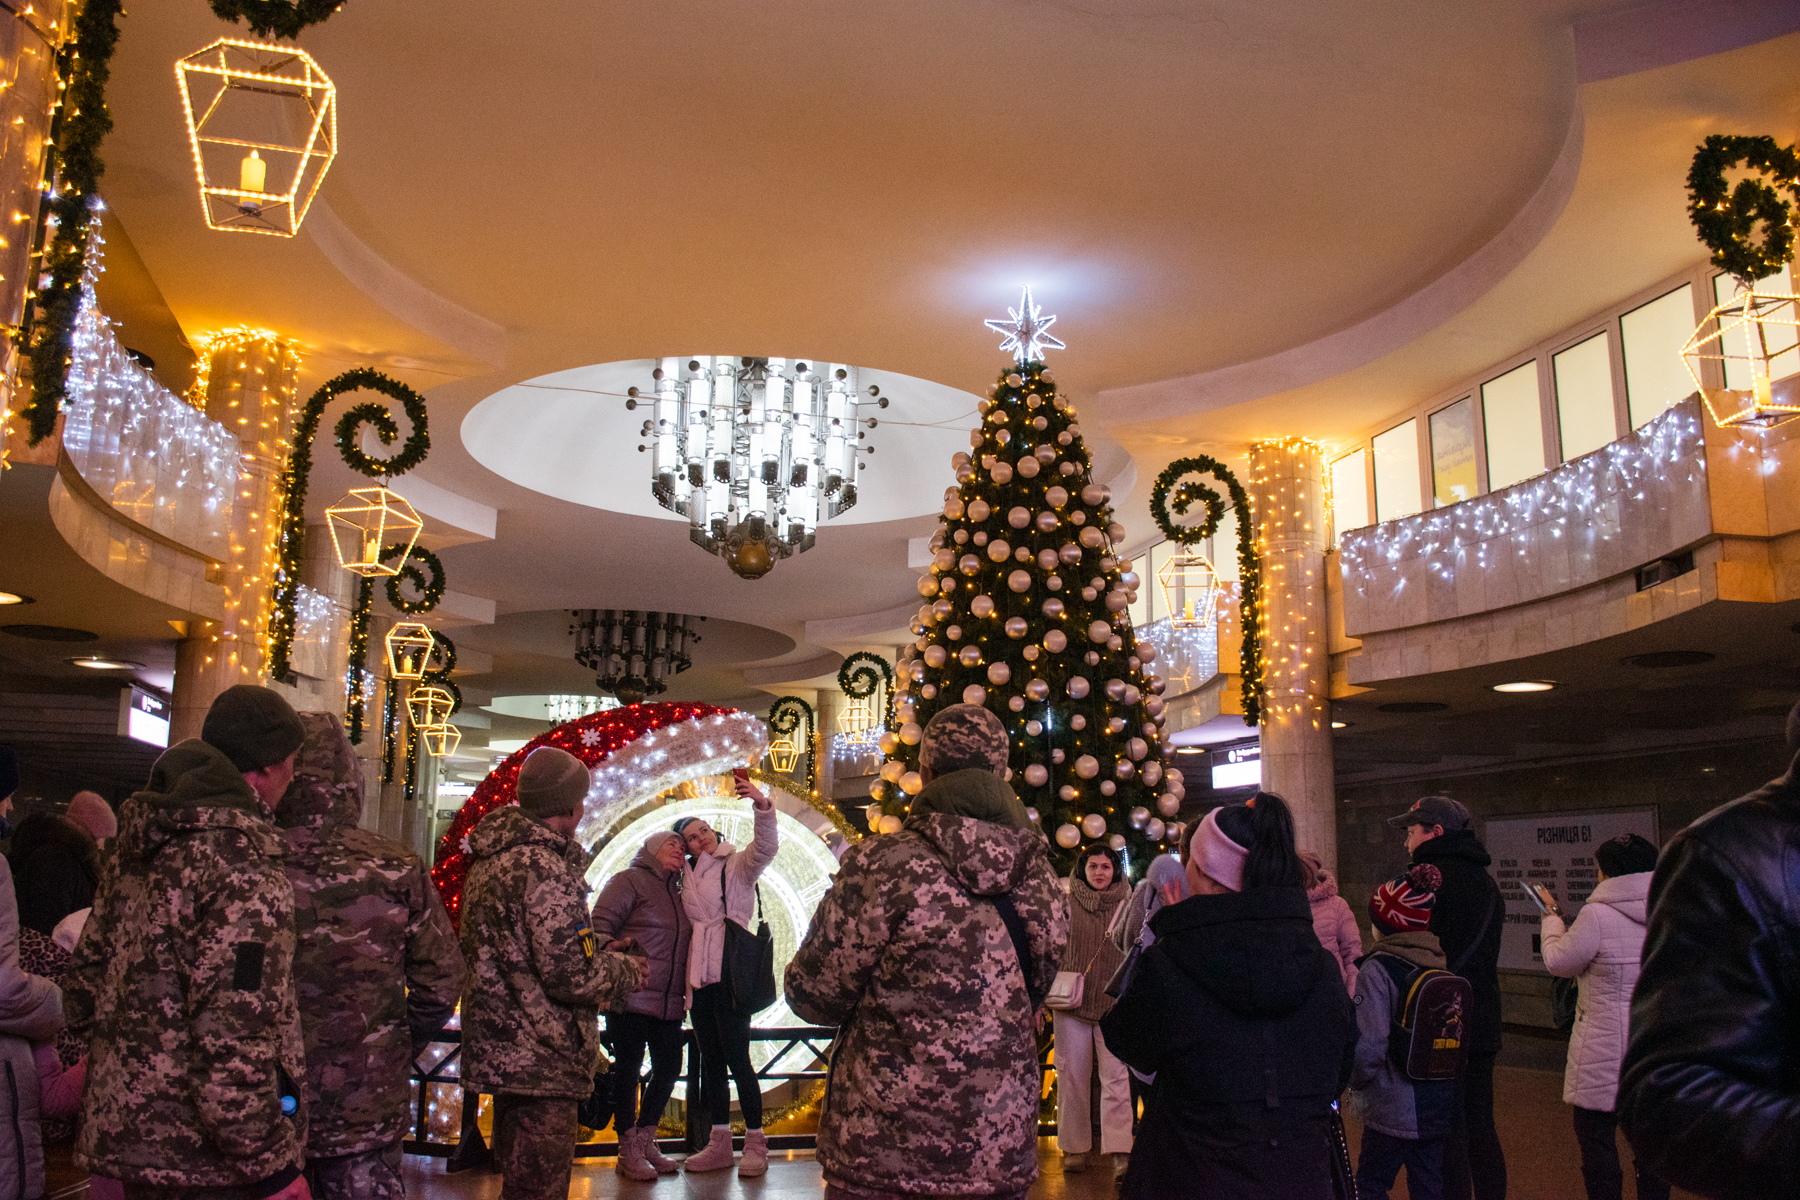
x=1594 y=1131
x=631 y=1032
x=724 y=1038
x=1474 y=1164
x=1383 y=1155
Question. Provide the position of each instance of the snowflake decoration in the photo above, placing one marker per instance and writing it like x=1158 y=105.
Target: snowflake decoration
x=1026 y=330
x=590 y=737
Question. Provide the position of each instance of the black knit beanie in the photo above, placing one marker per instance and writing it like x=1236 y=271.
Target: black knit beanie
x=252 y=726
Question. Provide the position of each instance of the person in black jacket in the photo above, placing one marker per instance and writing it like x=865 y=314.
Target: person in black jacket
x=1709 y=1096
x=56 y=869
x=1243 y=1017
x=1467 y=918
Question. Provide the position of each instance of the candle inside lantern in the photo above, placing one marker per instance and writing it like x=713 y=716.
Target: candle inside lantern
x=252 y=173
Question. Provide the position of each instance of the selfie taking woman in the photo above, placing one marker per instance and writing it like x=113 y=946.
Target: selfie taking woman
x=719 y=881
x=1097 y=889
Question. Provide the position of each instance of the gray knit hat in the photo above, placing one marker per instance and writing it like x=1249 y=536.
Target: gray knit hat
x=552 y=783
x=252 y=726
x=964 y=736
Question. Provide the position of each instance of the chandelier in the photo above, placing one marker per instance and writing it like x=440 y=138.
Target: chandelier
x=754 y=452
x=632 y=653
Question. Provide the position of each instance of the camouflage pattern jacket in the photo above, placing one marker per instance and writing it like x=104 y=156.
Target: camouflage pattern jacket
x=377 y=970
x=934 y=1084
x=537 y=976
x=182 y=984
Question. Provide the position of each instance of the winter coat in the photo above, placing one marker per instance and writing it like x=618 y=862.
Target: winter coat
x=1244 y=1020
x=184 y=972
x=644 y=901
x=377 y=971
x=537 y=976
x=1602 y=950
x=1390 y=1102
x=1467 y=901
x=933 y=1088
x=30 y=1011
x=701 y=895
x=1336 y=926
x=56 y=867
x=1090 y=951
x=1710 y=1097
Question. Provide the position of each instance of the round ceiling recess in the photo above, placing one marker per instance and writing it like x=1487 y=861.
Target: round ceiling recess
x=50 y=633
x=1659 y=660
x=1413 y=706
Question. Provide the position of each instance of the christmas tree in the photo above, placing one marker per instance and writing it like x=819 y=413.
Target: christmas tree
x=1026 y=612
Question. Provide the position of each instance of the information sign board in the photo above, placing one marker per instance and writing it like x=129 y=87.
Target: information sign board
x=1556 y=850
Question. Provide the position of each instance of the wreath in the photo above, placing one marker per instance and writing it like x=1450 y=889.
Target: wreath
x=431 y=590
x=1726 y=217
x=275 y=18
x=861 y=674
x=1166 y=495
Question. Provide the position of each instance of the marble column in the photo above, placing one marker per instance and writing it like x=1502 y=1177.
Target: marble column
x=831 y=703
x=1287 y=494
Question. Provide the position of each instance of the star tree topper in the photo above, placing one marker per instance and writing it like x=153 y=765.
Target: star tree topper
x=1026 y=330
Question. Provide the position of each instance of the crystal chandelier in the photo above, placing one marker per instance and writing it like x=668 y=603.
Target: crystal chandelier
x=632 y=653
x=754 y=452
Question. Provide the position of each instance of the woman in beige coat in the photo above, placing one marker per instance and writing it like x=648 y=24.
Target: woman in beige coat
x=1097 y=890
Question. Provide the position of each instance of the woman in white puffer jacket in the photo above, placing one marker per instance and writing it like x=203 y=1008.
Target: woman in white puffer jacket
x=1601 y=951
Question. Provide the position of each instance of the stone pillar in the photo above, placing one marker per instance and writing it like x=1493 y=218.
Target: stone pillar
x=1287 y=494
x=29 y=41
x=831 y=703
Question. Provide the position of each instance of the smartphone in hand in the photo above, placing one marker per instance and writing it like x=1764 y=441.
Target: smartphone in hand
x=741 y=774
x=1540 y=896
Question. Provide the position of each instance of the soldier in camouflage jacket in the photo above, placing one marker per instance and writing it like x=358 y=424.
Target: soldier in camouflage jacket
x=377 y=971
x=182 y=981
x=933 y=1087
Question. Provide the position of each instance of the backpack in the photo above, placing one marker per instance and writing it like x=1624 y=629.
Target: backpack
x=1427 y=1036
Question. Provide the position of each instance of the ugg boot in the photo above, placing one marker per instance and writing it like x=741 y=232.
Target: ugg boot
x=1073 y=1162
x=756 y=1154
x=717 y=1155
x=631 y=1156
x=653 y=1156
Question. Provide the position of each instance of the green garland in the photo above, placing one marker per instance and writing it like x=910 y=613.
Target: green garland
x=861 y=673
x=1726 y=217
x=275 y=18
x=356 y=675
x=1249 y=562
x=299 y=471
x=431 y=590
x=48 y=328
x=388 y=713
x=786 y=716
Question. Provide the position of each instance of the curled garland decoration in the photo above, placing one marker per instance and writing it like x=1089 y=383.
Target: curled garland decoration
x=444 y=650
x=83 y=122
x=1726 y=217
x=860 y=673
x=786 y=715
x=275 y=18
x=431 y=590
x=356 y=675
x=1165 y=495
x=299 y=470
x=388 y=714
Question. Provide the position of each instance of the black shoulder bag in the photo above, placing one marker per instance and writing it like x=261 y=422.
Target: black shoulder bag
x=747 y=966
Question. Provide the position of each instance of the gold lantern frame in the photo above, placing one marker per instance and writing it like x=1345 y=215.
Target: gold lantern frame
x=221 y=79
x=410 y=645
x=441 y=741
x=783 y=754
x=369 y=519
x=1191 y=589
x=1748 y=318
x=429 y=708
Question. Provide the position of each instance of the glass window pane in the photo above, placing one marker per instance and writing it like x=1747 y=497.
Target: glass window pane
x=1512 y=421
x=1584 y=399
x=1397 y=472
x=1654 y=333
x=1453 y=452
x=1222 y=547
x=1779 y=339
x=1159 y=554
x=1349 y=492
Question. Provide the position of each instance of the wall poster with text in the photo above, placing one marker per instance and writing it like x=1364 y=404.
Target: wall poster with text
x=1556 y=850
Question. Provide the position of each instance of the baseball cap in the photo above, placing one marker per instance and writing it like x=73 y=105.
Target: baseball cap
x=1433 y=810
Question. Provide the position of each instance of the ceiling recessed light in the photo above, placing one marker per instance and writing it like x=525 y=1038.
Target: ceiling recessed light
x=1526 y=685
x=1190 y=749
x=15 y=598
x=95 y=662
x=1340 y=724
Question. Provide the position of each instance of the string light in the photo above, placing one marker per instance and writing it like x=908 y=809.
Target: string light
x=1287 y=482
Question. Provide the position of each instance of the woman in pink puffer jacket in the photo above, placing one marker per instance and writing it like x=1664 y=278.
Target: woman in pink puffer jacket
x=1332 y=919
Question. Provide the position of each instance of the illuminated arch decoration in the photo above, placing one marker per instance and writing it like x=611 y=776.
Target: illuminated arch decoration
x=633 y=754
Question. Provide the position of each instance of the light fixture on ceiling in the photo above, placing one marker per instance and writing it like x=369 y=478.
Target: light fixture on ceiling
x=632 y=654
x=754 y=452
x=1526 y=685
x=233 y=93
x=97 y=662
x=1190 y=749
x=15 y=598
x=1340 y=724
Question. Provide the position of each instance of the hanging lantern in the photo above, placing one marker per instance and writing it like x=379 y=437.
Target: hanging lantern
x=1753 y=337
x=857 y=718
x=1190 y=589
x=441 y=741
x=409 y=647
x=233 y=94
x=430 y=708
x=783 y=754
x=368 y=519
